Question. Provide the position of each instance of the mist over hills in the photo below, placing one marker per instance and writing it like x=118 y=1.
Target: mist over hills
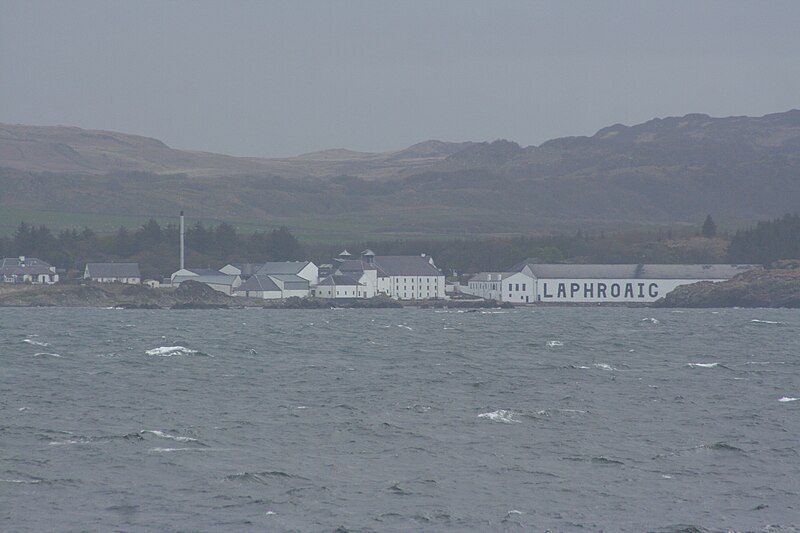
x=670 y=170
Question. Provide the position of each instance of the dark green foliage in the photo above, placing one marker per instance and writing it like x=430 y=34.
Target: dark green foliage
x=767 y=242
x=154 y=247
x=709 y=227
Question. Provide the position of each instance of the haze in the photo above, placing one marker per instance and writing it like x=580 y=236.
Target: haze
x=283 y=78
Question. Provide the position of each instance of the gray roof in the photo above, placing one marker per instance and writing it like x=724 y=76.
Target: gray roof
x=29 y=270
x=340 y=280
x=259 y=283
x=355 y=265
x=14 y=262
x=247 y=269
x=570 y=271
x=216 y=279
x=491 y=276
x=113 y=270
x=406 y=265
x=290 y=281
x=206 y=272
x=282 y=267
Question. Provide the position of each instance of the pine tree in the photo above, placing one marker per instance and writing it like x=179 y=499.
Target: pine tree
x=709 y=227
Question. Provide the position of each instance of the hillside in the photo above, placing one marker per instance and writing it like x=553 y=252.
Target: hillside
x=673 y=170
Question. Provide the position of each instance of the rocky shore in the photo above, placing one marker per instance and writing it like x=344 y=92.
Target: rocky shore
x=777 y=286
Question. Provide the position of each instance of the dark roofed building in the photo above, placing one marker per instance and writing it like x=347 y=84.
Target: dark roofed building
x=341 y=287
x=113 y=272
x=27 y=270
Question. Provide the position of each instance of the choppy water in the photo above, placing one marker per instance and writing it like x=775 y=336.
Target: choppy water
x=565 y=419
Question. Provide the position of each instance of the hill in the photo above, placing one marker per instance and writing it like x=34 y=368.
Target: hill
x=665 y=171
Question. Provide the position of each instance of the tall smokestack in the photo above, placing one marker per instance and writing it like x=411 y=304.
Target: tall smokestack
x=182 y=264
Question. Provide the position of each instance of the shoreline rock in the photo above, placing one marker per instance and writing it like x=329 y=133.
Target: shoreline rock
x=777 y=286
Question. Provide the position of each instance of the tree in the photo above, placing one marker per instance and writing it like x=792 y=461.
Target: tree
x=709 y=227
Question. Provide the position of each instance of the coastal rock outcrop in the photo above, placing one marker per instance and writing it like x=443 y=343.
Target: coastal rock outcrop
x=777 y=286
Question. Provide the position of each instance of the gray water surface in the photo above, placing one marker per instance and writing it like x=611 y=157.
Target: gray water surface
x=568 y=419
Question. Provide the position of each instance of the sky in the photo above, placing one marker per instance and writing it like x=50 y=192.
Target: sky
x=277 y=79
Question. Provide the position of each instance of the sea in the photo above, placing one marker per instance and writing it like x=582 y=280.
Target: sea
x=400 y=420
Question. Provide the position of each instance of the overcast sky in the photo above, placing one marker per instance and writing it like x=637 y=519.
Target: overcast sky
x=277 y=79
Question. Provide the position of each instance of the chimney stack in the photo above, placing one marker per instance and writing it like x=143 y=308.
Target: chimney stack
x=182 y=230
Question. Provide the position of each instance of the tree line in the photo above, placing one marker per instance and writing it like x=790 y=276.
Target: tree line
x=156 y=247
x=767 y=242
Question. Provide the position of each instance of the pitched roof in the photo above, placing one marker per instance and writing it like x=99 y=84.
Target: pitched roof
x=340 y=280
x=215 y=279
x=113 y=270
x=259 y=283
x=569 y=271
x=406 y=265
x=206 y=272
x=290 y=281
x=355 y=265
x=491 y=276
x=282 y=267
x=29 y=261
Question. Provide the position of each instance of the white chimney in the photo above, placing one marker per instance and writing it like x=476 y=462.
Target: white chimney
x=182 y=255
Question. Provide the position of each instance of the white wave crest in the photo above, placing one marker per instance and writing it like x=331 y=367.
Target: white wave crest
x=167 y=435
x=603 y=366
x=756 y=321
x=167 y=450
x=702 y=365
x=553 y=344
x=36 y=343
x=651 y=320
x=787 y=399
x=169 y=351
x=37 y=354
x=501 y=415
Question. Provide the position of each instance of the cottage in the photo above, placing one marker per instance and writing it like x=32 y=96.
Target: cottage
x=27 y=270
x=113 y=272
x=341 y=287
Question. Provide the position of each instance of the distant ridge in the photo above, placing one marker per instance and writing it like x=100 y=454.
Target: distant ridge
x=671 y=170
x=75 y=150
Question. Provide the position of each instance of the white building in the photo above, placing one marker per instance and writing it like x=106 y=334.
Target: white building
x=274 y=287
x=113 y=272
x=27 y=270
x=568 y=283
x=341 y=287
x=517 y=287
x=304 y=269
x=402 y=277
x=224 y=283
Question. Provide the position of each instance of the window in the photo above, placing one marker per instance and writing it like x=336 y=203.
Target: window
x=523 y=286
x=517 y=286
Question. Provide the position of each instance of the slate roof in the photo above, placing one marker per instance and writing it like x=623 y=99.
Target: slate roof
x=355 y=265
x=569 y=271
x=215 y=279
x=14 y=262
x=206 y=272
x=340 y=280
x=492 y=276
x=113 y=270
x=282 y=267
x=247 y=269
x=12 y=267
x=259 y=283
x=290 y=281
x=406 y=265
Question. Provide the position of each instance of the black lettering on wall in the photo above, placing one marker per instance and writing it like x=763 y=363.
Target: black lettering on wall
x=615 y=290
x=652 y=290
x=573 y=288
x=601 y=290
x=562 y=290
x=629 y=290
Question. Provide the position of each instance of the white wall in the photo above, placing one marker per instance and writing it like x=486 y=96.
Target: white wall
x=607 y=290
